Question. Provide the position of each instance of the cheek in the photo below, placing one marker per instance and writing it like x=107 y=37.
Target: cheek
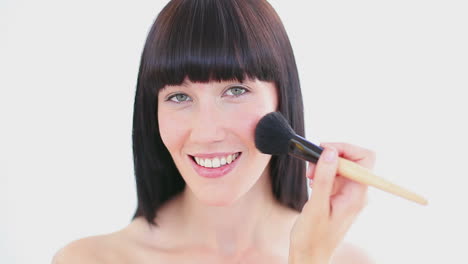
x=245 y=120
x=171 y=131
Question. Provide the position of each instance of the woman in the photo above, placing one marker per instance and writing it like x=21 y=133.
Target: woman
x=210 y=69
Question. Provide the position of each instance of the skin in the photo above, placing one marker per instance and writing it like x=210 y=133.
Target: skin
x=332 y=207
x=234 y=218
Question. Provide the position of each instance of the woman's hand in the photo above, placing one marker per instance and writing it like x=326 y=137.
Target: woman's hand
x=332 y=208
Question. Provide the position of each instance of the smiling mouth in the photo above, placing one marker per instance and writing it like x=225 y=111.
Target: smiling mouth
x=216 y=162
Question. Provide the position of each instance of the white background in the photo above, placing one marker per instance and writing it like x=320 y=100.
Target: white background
x=387 y=75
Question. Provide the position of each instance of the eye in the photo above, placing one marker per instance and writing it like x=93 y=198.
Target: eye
x=179 y=98
x=236 y=91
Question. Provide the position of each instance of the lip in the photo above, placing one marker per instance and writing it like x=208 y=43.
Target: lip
x=214 y=172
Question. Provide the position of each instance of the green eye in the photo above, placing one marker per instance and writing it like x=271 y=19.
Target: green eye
x=178 y=98
x=236 y=91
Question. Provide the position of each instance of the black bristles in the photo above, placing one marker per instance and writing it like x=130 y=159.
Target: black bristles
x=273 y=133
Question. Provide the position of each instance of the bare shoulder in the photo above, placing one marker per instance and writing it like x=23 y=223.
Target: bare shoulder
x=348 y=253
x=89 y=250
x=123 y=246
x=85 y=250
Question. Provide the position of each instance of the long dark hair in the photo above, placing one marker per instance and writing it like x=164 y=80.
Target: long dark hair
x=208 y=40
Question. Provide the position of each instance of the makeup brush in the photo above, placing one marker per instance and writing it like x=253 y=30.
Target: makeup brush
x=274 y=136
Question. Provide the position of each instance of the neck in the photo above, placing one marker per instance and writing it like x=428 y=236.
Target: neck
x=229 y=229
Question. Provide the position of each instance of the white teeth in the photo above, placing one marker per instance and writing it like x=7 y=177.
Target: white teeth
x=217 y=161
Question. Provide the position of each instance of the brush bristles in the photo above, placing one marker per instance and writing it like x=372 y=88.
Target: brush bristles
x=273 y=133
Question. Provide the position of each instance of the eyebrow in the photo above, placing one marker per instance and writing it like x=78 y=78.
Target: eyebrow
x=185 y=83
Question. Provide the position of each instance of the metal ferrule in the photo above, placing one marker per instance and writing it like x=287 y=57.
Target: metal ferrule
x=300 y=148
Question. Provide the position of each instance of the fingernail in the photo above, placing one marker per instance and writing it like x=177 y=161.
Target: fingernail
x=329 y=155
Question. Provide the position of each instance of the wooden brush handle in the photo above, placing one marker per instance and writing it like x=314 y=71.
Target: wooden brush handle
x=360 y=174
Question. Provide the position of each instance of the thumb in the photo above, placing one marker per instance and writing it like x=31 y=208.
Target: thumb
x=324 y=178
x=310 y=170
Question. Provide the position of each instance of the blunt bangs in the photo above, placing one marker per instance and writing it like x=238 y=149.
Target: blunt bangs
x=213 y=40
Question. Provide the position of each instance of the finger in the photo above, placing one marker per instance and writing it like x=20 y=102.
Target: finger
x=350 y=200
x=340 y=181
x=310 y=170
x=362 y=156
x=323 y=179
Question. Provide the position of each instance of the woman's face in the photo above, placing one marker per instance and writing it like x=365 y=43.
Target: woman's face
x=208 y=129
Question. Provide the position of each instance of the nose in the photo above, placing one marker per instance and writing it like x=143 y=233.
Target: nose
x=208 y=124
